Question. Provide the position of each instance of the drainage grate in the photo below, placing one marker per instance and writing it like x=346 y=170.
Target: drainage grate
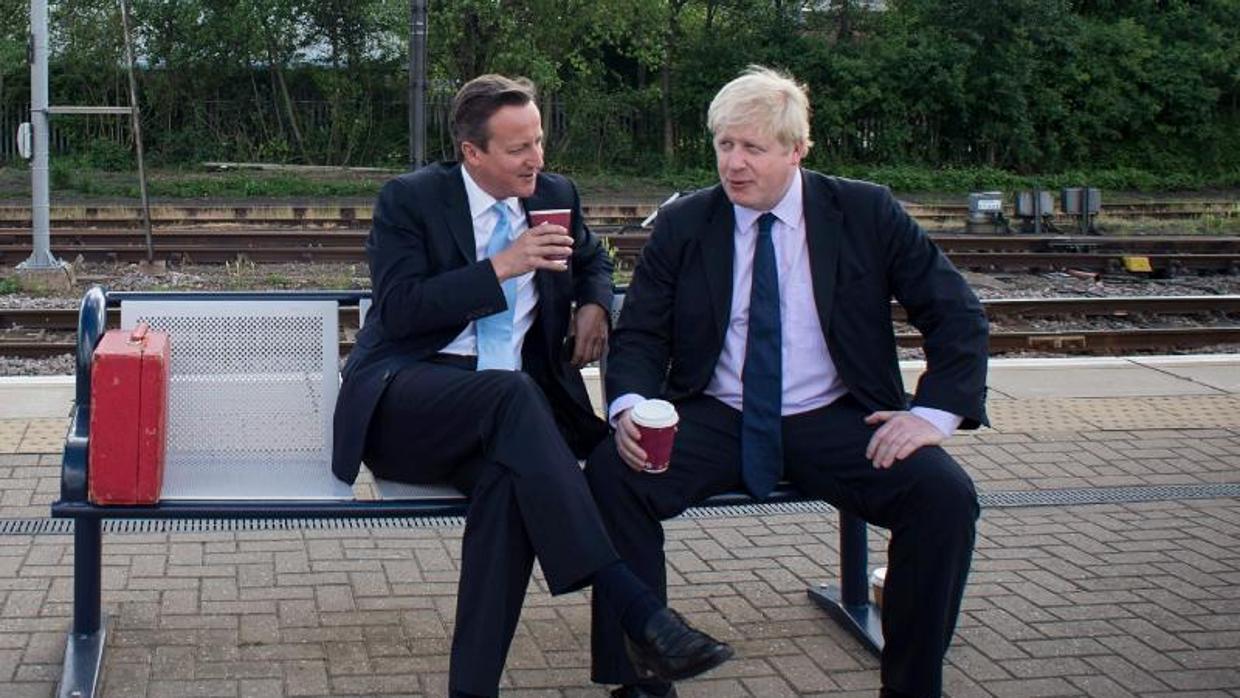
x=35 y=527
x=1107 y=495
x=989 y=500
x=1008 y=499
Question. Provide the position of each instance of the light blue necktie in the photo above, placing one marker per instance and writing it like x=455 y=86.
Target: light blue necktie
x=495 y=331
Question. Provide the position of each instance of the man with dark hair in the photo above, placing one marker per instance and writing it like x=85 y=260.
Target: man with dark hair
x=462 y=374
x=761 y=307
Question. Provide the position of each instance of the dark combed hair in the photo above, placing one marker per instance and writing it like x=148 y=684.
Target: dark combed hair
x=478 y=100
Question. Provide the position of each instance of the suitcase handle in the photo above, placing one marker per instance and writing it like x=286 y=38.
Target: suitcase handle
x=139 y=333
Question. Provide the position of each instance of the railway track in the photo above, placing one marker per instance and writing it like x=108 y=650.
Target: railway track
x=48 y=332
x=1167 y=255
x=356 y=213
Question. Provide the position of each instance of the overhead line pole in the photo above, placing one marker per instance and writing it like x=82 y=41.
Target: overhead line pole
x=417 y=83
x=40 y=212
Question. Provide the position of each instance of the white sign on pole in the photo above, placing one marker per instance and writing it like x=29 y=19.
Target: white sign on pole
x=23 y=140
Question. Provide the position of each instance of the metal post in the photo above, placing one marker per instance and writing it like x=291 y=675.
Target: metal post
x=136 y=121
x=40 y=212
x=88 y=637
x=1086 y=225
x=87 y=575
x=417 y=83
x=1037 y=211
x=849 y=603
x=854 y=584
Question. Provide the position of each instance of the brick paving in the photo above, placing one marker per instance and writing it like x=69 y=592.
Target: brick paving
x=1115 y=599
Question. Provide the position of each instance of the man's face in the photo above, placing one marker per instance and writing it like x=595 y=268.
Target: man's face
x=755 y=168
x=513 y=155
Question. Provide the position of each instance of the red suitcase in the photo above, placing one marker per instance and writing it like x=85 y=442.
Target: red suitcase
x=128 y=416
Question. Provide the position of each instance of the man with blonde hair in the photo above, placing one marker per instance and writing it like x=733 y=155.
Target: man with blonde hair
x=761 y=309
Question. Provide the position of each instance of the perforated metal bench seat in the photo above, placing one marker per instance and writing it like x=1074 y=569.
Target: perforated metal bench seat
x=251 y=394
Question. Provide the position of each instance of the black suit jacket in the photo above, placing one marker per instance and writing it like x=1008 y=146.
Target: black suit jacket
x=863 y=249
x=428 y=285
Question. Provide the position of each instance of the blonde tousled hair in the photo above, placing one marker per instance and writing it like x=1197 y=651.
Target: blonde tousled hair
x=772 y=101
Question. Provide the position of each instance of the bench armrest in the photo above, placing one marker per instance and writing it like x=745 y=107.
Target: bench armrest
x=92 y=320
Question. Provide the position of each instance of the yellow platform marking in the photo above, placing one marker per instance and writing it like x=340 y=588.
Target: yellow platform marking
x=11 y=432
x=44 y=436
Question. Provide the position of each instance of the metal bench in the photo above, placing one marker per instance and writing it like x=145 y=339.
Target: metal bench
x=246 y=366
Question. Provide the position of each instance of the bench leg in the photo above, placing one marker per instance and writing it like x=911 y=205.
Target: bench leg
x=84 y=651
x=849 y=604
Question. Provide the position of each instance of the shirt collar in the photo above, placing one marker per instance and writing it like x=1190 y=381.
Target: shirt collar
x=788 y=210
x=480 y=202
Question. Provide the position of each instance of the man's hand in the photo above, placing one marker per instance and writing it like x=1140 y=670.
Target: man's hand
x=544 y=247
x=590 y=330
x=900 y=435
x=628 y=442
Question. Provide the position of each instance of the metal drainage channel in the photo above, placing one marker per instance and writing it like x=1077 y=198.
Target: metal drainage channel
x=989 y=500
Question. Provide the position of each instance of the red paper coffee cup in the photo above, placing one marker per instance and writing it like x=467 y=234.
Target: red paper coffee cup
x=656 y=421
x=562 y=217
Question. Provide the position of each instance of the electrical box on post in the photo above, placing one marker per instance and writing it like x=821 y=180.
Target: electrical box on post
x=24 y=148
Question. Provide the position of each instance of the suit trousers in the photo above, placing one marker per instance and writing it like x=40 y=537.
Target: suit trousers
x=927 y=501
x=492 y=435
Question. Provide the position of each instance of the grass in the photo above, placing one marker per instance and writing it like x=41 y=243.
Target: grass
x=8 y=286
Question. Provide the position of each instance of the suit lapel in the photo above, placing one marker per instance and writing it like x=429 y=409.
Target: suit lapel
x=823 y=231
x=456 y=213
x=718 y=250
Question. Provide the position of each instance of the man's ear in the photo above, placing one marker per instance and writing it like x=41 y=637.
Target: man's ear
x=469 y=152
x=797 y=153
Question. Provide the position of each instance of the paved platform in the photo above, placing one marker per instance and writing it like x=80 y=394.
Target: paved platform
x=1137 y=593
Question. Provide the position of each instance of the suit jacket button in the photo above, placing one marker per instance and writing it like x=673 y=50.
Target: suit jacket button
x=387 y=375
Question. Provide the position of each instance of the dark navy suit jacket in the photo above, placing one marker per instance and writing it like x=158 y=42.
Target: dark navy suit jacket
x=863 y=249
x=428 y=285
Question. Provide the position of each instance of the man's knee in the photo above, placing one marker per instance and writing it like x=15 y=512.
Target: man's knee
x=946 y=493
x=517 y=393
x=514 y=384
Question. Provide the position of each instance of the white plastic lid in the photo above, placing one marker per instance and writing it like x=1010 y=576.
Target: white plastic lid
x=656 y=414
x=878 y=576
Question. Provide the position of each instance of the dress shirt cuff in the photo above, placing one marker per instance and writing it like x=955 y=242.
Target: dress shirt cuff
x=621 y=404
x=945 y=422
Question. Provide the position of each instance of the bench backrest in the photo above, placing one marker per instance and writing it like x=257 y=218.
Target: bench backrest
x=251 y=395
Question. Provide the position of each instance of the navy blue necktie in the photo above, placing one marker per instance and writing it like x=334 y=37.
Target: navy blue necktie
x=762 y=450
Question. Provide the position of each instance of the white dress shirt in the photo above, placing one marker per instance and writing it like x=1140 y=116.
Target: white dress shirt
x=810 y=379
x=484 y=220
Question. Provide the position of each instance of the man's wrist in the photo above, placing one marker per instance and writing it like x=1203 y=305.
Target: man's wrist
x=620 y=404
x=946 y=422
x=501 y=269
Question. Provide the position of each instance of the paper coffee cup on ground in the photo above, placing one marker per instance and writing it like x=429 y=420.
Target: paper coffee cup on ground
x=562 y=217
x=656 y=420
x=877 y=578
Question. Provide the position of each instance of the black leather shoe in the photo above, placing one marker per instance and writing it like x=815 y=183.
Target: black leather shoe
x=671 y=650
x=637 y=691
